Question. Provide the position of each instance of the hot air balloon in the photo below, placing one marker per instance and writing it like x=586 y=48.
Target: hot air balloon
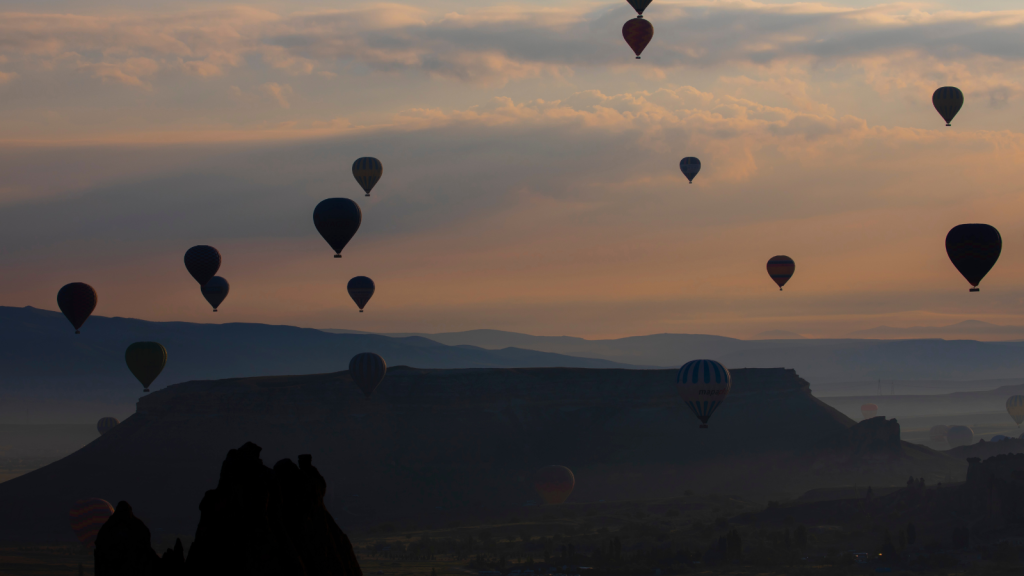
x=337 y=219
x=367 y=370
x=215 y=291
x=202 y=263
x=690 y=166
x=87 y=517
x=948 y=100
x=146 y=360
x=703 y=384
x=869 y=411
x=76 y=301
x=974 y=249
x=639 y=6
x=106 y=424
x=367 y=172
x=938 y=432
x=361 y=290
x=1015 y=406
x=554 y=483
x=638 y=33
x=959 y=436
x=781 y=268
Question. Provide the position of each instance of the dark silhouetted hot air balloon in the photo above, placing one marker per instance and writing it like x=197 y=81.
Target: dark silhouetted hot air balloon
x=106 y=424
x=974 y=249
x=869 y=411
x=689 y=166
x=76 y=301
x=215 y=291
x=367 y=172
x=1015 y=407
x=948 y=100
x=554 y=483
x=638 y=33
x=361 y=289
x=337 y=219
x=959 y=436
x=146 y=360
x=639 y=6
x=704 y=385
x=87 y=517
x=938 y=432
x=202 y=263
x=367 y=370
x=781 y=269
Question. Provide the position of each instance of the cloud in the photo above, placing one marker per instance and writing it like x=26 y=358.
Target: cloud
x=278 y=92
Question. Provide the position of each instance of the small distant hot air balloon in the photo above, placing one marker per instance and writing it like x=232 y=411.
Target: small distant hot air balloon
x=337 y=220
x=638 y=33
x=106 y=424
x=1015 y=407
x=781 y=269
x=367 y=172
x=77 y=301
x=202 y=262
x=367 y=371
x=146 y=360
x=959 y=436
x=87 y=517
x=938 y=433
x=361 y=289
x=948 y=100
x=639 y=6
x=554 y=483
x=689 y=166
x=704 y=385
x=215 y=291
x=869 y=411
x=974 y=249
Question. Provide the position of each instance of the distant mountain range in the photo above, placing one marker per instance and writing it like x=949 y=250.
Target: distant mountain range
x=969 y=329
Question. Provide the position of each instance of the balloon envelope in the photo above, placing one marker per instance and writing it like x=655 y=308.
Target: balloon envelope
x=781 y=269
x=1015 y=407
x=337 y=219
x=974 y=249
x=938 y=432
x=202 y=262
x=689 y=166
x=704 y=385
x=106 y=424
x=639 y=5
x=77 y=301
x=215 y=291
x=360 y=289
x=869 y=411
x=638 y=33
x=554 y=484
x=959 y=436
x=87 y=517
x=146 y=360
x=367 y=371
x=367 y=172
x=948 y=100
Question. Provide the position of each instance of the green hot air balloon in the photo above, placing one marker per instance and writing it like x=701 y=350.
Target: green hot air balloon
x=146 y=360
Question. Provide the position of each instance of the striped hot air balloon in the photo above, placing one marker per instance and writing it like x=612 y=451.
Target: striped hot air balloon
x=948 y=100
x=367 y=371
x=781 y=269
x=367 y=172
x=87 y=517
x=554 y=484
x=689 y=167
x=361 y=289
x=869 y=411
x=77 y=301
x=106 y=424
x=704 y=385
x=1015 y=407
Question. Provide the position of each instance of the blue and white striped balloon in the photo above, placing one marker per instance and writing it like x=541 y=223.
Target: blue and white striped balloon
x=704 y=385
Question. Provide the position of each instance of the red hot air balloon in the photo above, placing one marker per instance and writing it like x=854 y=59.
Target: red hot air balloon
x=638 y=33
x=554 y=484
x=704 y=385
x=106 y=424
x=87 y=517
x=869 y=411
x=77 y=301
x=781 y=269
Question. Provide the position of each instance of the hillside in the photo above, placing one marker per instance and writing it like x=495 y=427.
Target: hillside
x=432 y=445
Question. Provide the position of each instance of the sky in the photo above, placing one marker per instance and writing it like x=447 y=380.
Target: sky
x=531 y=177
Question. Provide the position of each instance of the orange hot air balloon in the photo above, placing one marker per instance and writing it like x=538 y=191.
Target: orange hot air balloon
x=637 y=33
x=781 y=269
x=869 y=411
x=554 y=484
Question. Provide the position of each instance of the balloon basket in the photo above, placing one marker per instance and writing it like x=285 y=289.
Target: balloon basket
x=367 y=194
x=214 y=309
x=948 y=124
x=637 y=57
x=360 y=311
x=337 y=255
x=975 y=290
x=703 y=425
x=77 y=332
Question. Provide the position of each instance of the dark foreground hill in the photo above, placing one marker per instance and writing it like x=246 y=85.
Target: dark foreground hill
x=432 y=445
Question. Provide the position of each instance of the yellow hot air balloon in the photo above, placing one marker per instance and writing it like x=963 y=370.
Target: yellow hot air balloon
x=1015 y=406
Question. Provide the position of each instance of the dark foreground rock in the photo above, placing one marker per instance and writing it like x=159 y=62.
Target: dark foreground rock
x=258 y=521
